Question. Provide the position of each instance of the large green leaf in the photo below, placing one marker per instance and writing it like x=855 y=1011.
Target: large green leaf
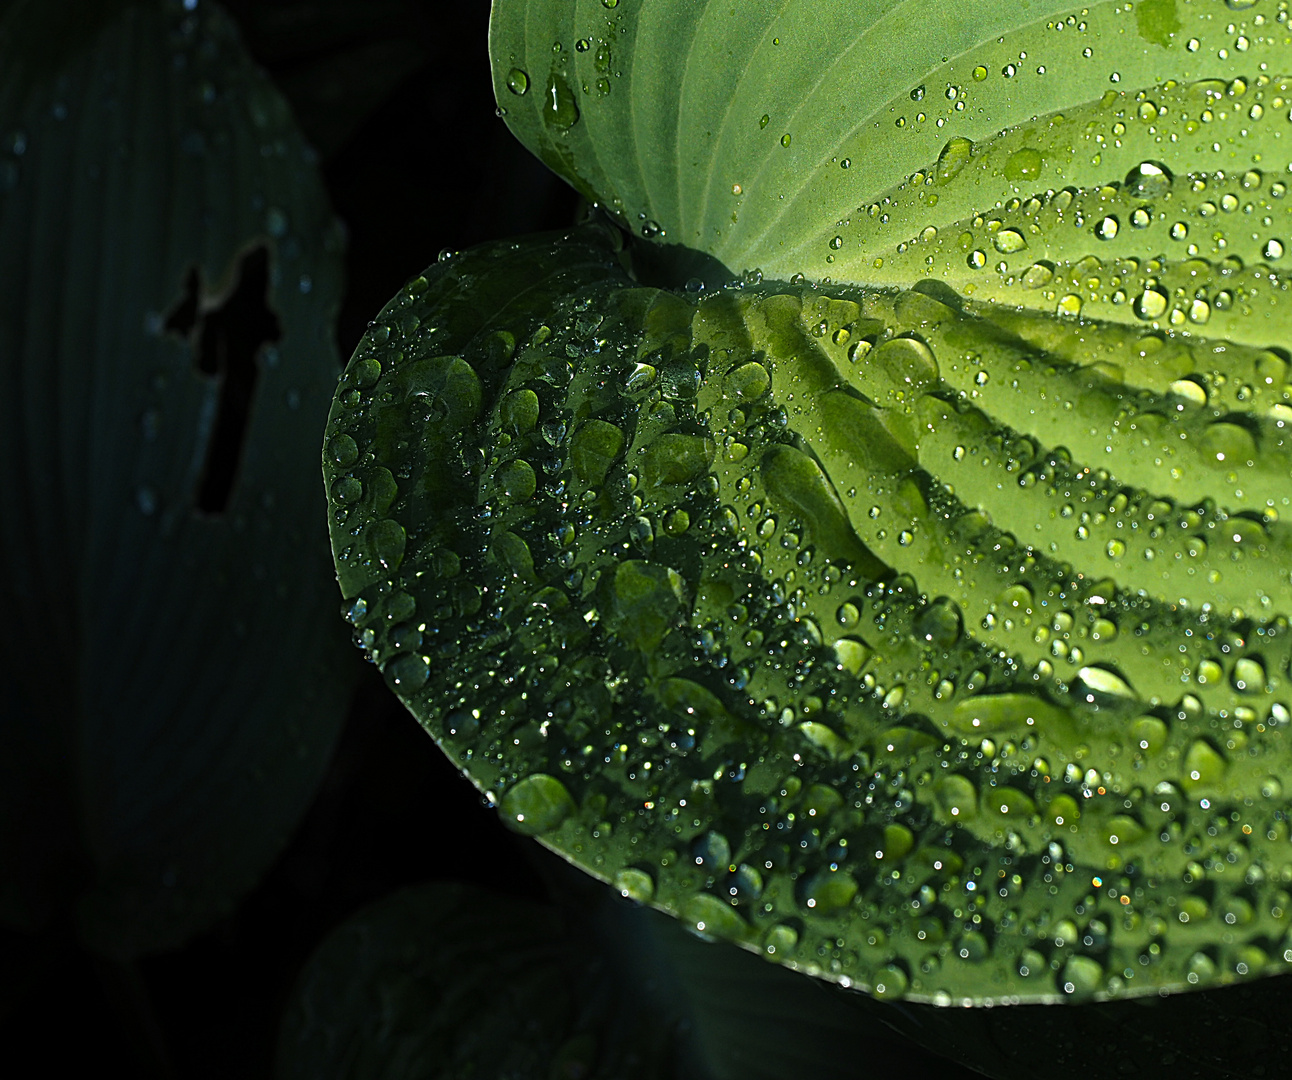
x=171 y=686
x=879 y=141
x=924 y=627
x=744 y=602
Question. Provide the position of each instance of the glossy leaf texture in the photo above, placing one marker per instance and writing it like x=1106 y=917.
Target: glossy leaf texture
x=818 y=619
x=878 y=142
x=172 y=686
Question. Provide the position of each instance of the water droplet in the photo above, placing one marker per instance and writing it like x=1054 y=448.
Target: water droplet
x=407 y=674
x=364 y=373
x=343 y=451
x=517 y=81
x=851 y=654
x=1069 y=305
x=386 y=539
x=1008 y=241
x=1228 y=443
x=940 y=624
x=781 y=940
x=538 y=804
x=1148 y=180
x=517 y=480
x=954 y=157
x=1107 y=228
x=1099 y=680
x=560 y=109
x=859 y=350
x=1151 y=303
x=1249 y=676
x=1037 y=276
x=1273 y=249
x=633 y=883
x=1024 y=164
x=1082 y=976
x=1203 y=766
x=347 y=491
x=712 y=852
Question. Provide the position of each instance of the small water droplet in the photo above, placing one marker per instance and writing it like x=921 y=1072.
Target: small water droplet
x=517 y=81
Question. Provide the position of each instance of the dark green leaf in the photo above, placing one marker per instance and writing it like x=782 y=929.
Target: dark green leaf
x=449 y=980
x=453 y=981
x=172 y=273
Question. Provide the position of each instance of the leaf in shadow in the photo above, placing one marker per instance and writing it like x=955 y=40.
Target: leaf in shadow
x=166 y=578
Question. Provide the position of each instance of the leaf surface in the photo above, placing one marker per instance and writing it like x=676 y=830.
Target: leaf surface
x=747 y=603
x=923 y=626
x=879 y=143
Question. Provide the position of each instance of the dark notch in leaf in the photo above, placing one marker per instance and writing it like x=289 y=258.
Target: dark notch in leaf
x=228 y=332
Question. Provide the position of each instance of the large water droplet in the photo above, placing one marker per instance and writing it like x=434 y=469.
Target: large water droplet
x=1008 y=241
x=560 y=109
x=517 y=81
x=1024 y=164
x=954 y=157
x=1148 y=180
x=538 y=804
x=940 y=624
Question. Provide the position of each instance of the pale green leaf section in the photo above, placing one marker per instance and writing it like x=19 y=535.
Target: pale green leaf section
x=670 y=100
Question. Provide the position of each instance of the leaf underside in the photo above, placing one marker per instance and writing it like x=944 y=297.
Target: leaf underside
x=923 y=627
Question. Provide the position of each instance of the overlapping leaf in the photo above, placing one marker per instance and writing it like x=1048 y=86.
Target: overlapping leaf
x=761 y=132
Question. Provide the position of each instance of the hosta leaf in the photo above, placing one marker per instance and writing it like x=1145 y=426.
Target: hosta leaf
x=885 y=141
x=451 y=980
x=771 y=608
x=171 y=689
x=927 y=632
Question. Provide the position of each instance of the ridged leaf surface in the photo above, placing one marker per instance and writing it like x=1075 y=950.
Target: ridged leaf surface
x=923 y=625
